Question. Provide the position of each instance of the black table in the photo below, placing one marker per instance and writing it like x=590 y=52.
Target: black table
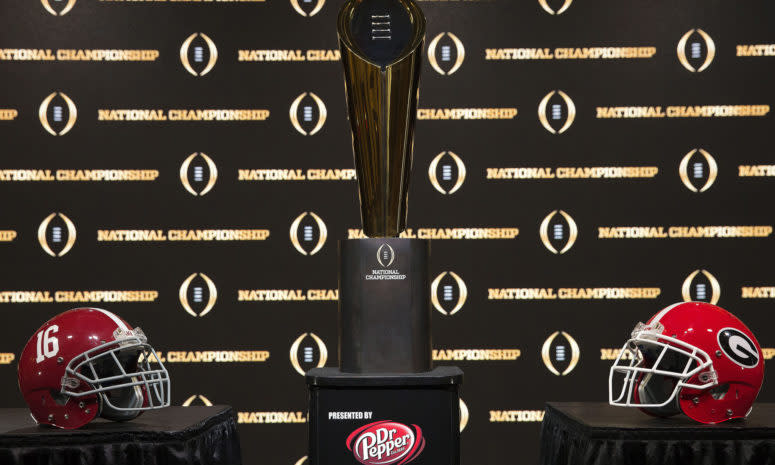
x=170 y=436
x=598 y=434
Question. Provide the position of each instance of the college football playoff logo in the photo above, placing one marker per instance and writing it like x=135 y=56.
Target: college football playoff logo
x=556 y=112
x=56 y=234
x=308 y=114
x=558 y=233
x=738 y=347
x=197 y=399
x=560 y=355
x=696 y=50
x=308 y=233
x=463 y=415
x=385 y=255
x=701 y=286
x=198 y=294
x=448 y=293
x=198 y=54
x=308 y=351
x=57 y=114
x=317 y=5
x=701 y=170
x=198 y=174
x=447 y=172
x=545 y=5
x=446 y=53
x=66 y=9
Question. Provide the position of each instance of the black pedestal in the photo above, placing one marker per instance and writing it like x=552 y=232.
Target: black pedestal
x=386 y=419
x=384 y=310
x=595 y=433
x=170 y=436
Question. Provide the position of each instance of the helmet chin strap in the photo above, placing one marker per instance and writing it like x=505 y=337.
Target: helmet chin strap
x=129 y=398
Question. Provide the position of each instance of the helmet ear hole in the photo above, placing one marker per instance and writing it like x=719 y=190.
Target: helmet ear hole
x=59 y=398
x=720 y=391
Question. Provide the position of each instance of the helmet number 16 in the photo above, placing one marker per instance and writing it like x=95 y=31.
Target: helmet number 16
x=48 y=345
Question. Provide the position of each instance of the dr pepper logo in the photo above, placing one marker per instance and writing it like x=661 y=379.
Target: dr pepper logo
x=386 y=442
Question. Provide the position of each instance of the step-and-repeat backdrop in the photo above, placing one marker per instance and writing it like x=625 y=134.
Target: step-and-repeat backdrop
x=577 y=166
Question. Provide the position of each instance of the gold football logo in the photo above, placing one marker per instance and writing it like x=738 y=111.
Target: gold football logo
x=198 y=54
x=462 y=293
x=695 y=51
x=205 y=401
x=56 y=234
x=697 y=170
x=556 y=112
x=307 y=114
x=316 y=10
x=446 y=54
x=198 y=295
x=57 y=114
x=308 y=353
x=69 y=6
x=308 y=233
x=558 y=232
x=560 y=353
x=545 y=5
x=463 y=415
x=446 y=173
x=691 y=283
x=198 y=174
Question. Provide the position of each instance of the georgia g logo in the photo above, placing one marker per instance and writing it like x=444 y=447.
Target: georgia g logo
x=738 y=347
x=386 y=442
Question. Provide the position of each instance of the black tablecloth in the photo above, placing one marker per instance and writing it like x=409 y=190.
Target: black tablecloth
x=170 y=436
x=599 y=434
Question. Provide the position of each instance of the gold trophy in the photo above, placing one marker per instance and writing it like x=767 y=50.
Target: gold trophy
x=385 y=364
x=381 y=43
x=384 y=310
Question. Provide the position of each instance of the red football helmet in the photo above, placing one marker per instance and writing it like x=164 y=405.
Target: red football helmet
x=691 y=357
x=87 y=362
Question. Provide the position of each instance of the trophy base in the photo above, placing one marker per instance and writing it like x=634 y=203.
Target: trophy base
x=420 y=409
x=384 y=311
